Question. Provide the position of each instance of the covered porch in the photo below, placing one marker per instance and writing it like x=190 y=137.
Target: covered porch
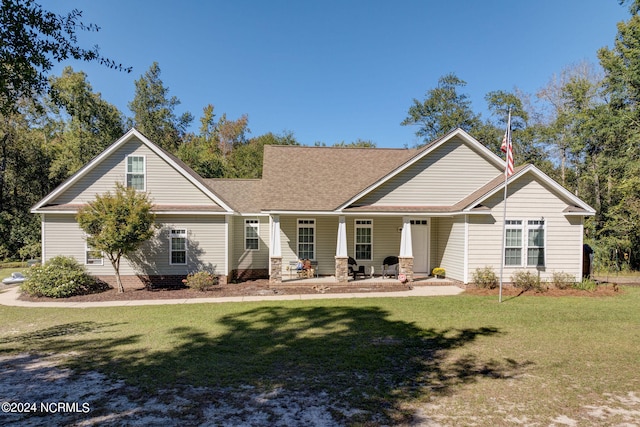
x=332 y=242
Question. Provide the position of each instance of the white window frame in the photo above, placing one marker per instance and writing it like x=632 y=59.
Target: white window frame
x=514 y=224
x=178 y=233
x=131 y=173
x=362 y=224
x=92 y=261
x=306 y=223
x=525 y=226
x=537 y=224
x=252 y=224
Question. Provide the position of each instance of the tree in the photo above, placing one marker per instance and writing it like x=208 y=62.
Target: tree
x=154 y=113
x=442 y=110
x=246 y=159
x=574 y=89
x=92 y=123
x=32 y=40
x=617 y=128
x=117 y=224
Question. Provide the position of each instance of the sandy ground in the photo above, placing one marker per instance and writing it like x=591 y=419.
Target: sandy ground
x=35 y=392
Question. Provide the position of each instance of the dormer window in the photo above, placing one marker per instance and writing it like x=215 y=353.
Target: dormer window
x=136 y=172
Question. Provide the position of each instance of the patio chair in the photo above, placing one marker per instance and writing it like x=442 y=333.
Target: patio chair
x=355 y=270
x=390 y=267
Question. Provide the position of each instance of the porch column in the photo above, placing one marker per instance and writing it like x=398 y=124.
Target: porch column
x=406 y=250
x=342 y=258
x=275 y=250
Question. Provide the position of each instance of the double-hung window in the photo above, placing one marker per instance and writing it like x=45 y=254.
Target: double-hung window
x=513 y=242
x=178 y=246
x=364 y=239
x=92 y=256
x=251 y=234
x=535 y=243
x=525 y=243
x=307 y=239
x=136 y=172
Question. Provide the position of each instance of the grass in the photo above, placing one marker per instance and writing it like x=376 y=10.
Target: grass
x=6 y=272
x=467 y=359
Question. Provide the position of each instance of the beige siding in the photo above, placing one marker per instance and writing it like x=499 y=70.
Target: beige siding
x=206 y=247
x=249 y=259
x=164 y=184
x=528 y=200
x=448 y=236
x=386 y=241
x=443 y=177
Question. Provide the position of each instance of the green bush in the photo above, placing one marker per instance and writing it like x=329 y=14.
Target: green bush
x=562 y=280
x=527 y=280
x=200 y=281
x=586 y=285
x=60 y=277
x=485 y=278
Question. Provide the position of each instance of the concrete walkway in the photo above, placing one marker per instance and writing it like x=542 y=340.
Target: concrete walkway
x=9 y=297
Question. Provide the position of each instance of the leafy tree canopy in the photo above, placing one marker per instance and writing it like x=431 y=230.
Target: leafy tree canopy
x=32 y=40
x=117 y=224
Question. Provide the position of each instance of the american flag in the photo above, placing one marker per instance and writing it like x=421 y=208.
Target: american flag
x=507 y=147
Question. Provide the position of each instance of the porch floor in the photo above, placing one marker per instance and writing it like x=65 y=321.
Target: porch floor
x=418 y=280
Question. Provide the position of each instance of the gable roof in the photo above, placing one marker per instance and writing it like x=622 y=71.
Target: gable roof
x=425 y=151
x=300 y=178
x=473 y=202
x=576 y=206
x=176 y=163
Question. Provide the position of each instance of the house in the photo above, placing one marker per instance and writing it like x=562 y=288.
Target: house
x=438 y=206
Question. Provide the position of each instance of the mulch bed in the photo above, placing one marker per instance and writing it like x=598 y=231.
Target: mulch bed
x=247 y=288
x=604 y=290
x=262 y=288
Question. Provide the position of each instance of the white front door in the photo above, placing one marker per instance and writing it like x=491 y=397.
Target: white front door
x=420 y=245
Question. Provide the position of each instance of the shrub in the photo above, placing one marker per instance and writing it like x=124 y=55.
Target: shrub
x=200 y=281
x=60 y=277
x=438 y=271
x=526 y=280
x=562 y=280
x=485 y=278
x=586 y=285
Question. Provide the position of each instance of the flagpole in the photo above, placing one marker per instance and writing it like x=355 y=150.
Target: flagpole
x=508 y=152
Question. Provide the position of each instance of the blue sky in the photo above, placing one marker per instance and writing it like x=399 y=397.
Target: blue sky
x=332 y=70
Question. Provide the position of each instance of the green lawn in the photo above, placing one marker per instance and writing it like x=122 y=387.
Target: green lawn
x=456 y=360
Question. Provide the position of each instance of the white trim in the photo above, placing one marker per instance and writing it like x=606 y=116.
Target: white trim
x=341 y=240
x=255 y=224
x=181 y=232
x=465 y=274
x=589 y=211
x=87 y=248
x=132 y=133
x=355 y=237
x=144 y=171
x=275 y=244
x=43 y=222
x=169 y=212
x=406 y=245
x=581 y=251
x=484 y=151
x=227 y=245
x=315 y=236
x=524 y=242
x=370 y=214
